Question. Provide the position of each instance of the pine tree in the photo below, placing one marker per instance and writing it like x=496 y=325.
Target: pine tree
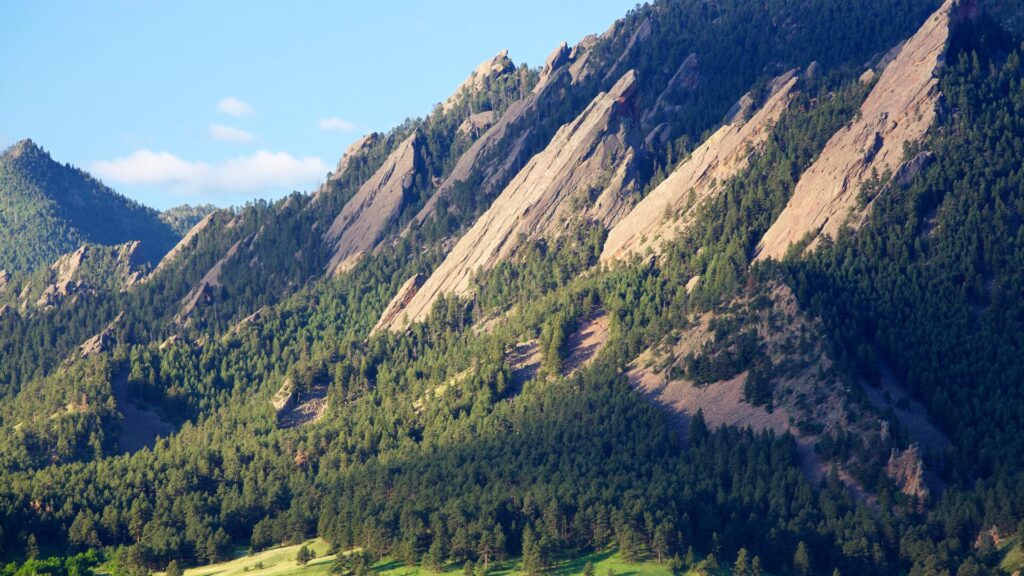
x=533 y=562
x=755 y=567
x=588 y=569
x=742 y=566
x=802 y=559
x=304 y=555
x=31 y=547
x=659 y=543
x=173 y=569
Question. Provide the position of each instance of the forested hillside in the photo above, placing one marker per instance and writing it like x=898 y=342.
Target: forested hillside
x=541 y=323
x=48 y=209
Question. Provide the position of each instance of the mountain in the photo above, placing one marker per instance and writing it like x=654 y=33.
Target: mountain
x=48 y=209
x=730 y=284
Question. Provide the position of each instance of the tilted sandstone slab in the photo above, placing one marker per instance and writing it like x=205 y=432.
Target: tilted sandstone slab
x=365 y=218
x=358 y=148
x=487 y=70
x=899 y=110
x=586 y=171
x=503 y=148
x=660 y=216
x=397 y=305
x=184 y=243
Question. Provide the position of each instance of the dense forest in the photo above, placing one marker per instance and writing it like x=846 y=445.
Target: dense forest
x=283 y=414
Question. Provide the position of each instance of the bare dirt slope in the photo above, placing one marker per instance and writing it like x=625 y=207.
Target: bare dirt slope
x=142 y=425
x=808 y=397
x=899 y=110
x=584 y=344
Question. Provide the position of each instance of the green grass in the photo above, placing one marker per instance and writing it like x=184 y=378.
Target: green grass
x=275 y=562
x=281 y=562
x=1013 y=555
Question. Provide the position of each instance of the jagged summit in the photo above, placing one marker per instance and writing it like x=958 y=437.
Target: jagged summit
x=898 y=112
x=489 y=69
x=24 y=148
x=587 y=172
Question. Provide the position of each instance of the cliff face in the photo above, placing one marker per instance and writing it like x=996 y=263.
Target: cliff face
x=586 y=171
x=899 y=110
x=660 y=216
x=503 y=148
x=492 y=68
x=92 y=268
x=184 y=243
x=363 y=220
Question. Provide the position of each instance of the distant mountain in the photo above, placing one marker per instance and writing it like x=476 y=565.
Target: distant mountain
x=48 y=209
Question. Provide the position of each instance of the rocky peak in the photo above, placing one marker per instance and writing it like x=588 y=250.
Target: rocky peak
x=357 y=148
x=25 y=149
x=185 y=242
x=365 y=218
x=586 y=172
x=670 y=207
x=906 y=469
x=899 y=110
x=558 y=58
x=102 y=342
x=487 y=70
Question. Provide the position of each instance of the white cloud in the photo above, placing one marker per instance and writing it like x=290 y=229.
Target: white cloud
x=336 y=124
x=263 y=170
x=234 y=107
x=229 y=134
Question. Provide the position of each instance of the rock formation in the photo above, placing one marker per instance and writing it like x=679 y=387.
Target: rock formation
x=358 y=148
x=504 y=147
x=184 y=243
x=671 y=206
x=397 y=305
x=478 y=79
x=90 y=268
x=906 y=470
x=586 y=171
x=899 y=110
x=209 y=281
x=476 y=123
x=365 y=218
x=102 y=342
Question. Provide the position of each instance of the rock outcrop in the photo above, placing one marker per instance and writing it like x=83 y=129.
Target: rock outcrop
x=899 y=110
x=586 y=171
x=906 y=469
x=364 y=219
x=102 y=342
x=184 y=243
x=660 y=216
x=5 y=280
x=506 y=146
x=480 y=77
x=477 y=123
x=90 y=268
x=397 y=304
x=355 y=150
x=204 y=290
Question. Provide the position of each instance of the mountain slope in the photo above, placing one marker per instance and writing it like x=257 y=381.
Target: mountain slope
x=899 y=110
x=48 y=209
x=586 y=173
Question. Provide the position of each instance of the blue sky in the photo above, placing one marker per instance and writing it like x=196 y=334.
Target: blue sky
x=223 y=101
